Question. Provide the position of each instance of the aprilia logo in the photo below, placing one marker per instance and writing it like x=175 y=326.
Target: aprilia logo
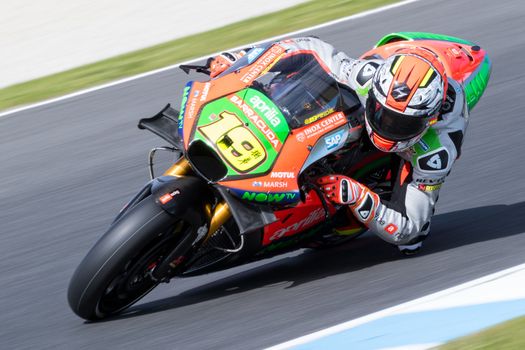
x=314 y=217
x=257 y=120
x=268 y=112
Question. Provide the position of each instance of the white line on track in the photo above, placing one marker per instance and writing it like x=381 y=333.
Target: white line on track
x=156 y=71
x=394 y=309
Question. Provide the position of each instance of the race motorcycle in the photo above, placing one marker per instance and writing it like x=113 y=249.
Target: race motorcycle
x=249 y=145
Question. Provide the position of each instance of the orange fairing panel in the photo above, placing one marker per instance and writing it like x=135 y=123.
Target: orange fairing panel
x=285 y=172
x=202 y=93
x=459 y=60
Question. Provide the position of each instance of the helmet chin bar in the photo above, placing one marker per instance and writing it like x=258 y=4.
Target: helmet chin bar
x=390 y=146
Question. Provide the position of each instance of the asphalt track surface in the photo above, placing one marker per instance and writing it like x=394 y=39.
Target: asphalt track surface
x=68 y=167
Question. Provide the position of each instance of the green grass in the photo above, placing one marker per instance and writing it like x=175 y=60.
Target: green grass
x=244 y=32
x=505 y=336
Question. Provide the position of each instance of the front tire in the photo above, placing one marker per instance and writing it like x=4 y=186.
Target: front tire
x=117 y=270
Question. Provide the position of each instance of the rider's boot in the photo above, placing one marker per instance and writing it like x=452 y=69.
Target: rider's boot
x=410 y=249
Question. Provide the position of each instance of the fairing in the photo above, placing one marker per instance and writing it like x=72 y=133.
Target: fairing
x=263 y=123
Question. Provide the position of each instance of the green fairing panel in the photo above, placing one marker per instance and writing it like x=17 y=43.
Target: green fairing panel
x=247 y=117
x=477 y=82
x=420 y=36
x=428 y=143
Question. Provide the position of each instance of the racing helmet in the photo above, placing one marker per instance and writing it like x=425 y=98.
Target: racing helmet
x=405 y=99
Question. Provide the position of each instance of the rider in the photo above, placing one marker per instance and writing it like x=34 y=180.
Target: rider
x=411 y=109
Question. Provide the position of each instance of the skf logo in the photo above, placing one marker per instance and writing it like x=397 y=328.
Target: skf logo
x=391 y=229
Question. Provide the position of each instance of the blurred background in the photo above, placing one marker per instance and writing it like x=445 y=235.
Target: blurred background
x=42 y=37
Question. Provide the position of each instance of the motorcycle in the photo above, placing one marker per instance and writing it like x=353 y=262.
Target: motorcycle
x=249 y=146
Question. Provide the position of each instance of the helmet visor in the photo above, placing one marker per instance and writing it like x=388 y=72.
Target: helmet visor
x=392 y=125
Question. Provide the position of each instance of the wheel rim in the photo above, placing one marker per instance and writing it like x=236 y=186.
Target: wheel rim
x=134 y=280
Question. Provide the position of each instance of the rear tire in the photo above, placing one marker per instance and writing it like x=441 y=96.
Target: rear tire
x=117 y=270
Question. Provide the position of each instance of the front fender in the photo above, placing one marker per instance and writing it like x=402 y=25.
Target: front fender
x=179 y=196
x=183 y=197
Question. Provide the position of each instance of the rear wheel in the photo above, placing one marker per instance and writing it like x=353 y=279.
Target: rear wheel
x=117 y=270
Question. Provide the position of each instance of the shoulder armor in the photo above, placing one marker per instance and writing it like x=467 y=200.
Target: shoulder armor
x=360 y=77
x=431 y=156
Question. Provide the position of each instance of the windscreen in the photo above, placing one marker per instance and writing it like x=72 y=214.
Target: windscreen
x=301 y=88
x=250 y=57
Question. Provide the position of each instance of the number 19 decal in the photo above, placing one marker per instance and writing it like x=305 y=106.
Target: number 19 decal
x=236 y=143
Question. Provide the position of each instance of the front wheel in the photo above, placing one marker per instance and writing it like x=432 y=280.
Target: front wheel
x=117 y=270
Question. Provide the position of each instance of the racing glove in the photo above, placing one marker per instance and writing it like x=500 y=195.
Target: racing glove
x=342 y=190
x=223 y=61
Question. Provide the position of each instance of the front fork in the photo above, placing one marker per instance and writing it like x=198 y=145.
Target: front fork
x=220 y=214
